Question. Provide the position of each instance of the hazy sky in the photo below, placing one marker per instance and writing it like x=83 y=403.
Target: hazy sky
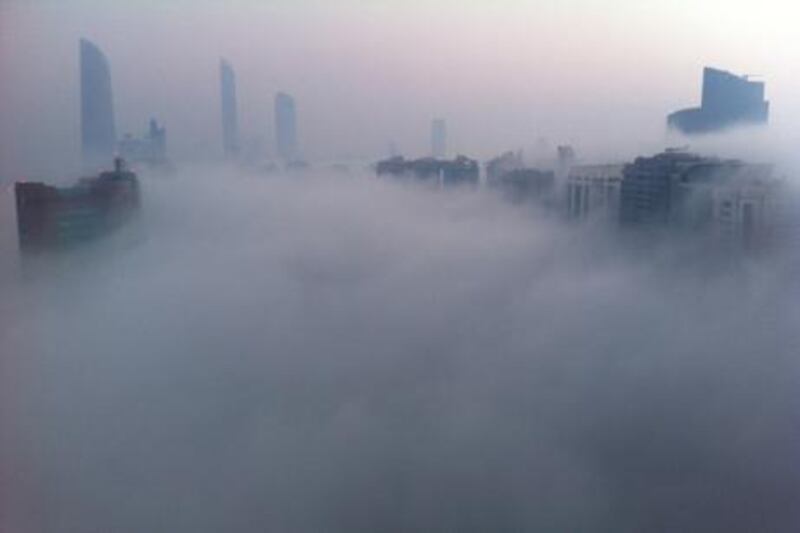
x=600 y=75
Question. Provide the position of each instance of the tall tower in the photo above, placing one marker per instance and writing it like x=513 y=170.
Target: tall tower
x=439 y=138
x=286 y=127
x=98 y=134
x=230 y=120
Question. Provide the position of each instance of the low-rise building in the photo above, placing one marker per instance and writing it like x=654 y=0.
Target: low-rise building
x=459 y=171
x=730 y=201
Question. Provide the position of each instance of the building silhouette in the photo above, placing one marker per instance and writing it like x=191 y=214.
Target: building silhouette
x=730 y=201
x=230 y=120
x=728 y=100
x=593 y=192
x=565 y=161
x=286 y=127
x=439 y=138
x=98 y=134
x=525 y=185
x=651 y=187
x=150 y=149
x=51 y=217
x=438 y=172
x=518 y=183
x=501 y=165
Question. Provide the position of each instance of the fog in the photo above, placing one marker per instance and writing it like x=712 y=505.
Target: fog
x=342 y=353
x=366 y=73
x=325 y=350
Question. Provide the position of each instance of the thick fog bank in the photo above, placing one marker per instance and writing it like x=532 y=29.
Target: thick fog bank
x=346 y=354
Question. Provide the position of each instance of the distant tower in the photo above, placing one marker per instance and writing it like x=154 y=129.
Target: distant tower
x=230 y=121
x=566 y=159
x=98 y=135
x=286 y=127
x=728 y=100
x=439 y=138
x=158 y=140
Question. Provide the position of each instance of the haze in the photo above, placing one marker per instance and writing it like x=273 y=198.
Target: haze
x=599 y=75
x=319 y=349
x=350 y=355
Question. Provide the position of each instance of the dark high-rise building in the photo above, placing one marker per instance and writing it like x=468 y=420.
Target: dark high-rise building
x=98 y=135
x=651 y=185
x=286 y=127
x=61 y=217
x=683 y=190
x=230 y=120
x=439 y=138
x=728 y=100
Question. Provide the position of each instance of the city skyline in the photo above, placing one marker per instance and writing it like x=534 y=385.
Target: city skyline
x=531 y=97
x=228 y=307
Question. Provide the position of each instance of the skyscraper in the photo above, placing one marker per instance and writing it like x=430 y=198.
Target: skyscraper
x=230 y=121
x=728 y=100
x=438 y=138
x=285 y=127
x=98 y=135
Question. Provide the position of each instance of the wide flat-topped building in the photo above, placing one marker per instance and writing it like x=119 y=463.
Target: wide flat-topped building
x=461 y=170
x=729 y=200
x=728 y=100
x=51 y=217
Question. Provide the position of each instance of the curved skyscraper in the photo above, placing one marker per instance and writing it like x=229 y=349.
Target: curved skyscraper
x=98 y=135
x=439 y=138
x=230 y=121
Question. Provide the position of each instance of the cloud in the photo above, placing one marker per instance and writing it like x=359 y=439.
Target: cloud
x=348 y=354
